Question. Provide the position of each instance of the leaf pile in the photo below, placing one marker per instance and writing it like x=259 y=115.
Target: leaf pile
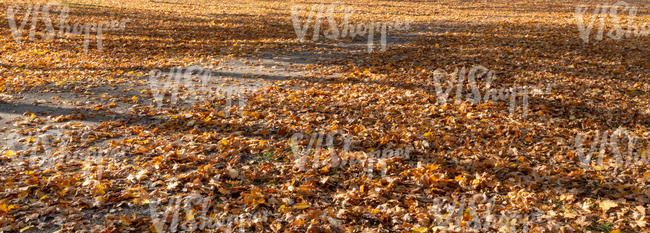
x=123 y=153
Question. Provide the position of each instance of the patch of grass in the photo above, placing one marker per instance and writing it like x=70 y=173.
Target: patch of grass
x=603 y=227
x=268 y=156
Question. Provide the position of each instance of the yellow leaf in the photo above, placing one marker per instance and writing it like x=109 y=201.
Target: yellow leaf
x=615 y=231
x=283 y=209
x=27 y=228
x=99 y=190
x=224 y=142
x=189 y=216
x=301 y=206
x=299 y=222
x=460 y=177
x=420 y=230
x=607 y=204
x=134 y=98
x=10 y=153
x=4 y=207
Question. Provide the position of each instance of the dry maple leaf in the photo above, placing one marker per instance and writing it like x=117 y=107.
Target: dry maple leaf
x=606 y=205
